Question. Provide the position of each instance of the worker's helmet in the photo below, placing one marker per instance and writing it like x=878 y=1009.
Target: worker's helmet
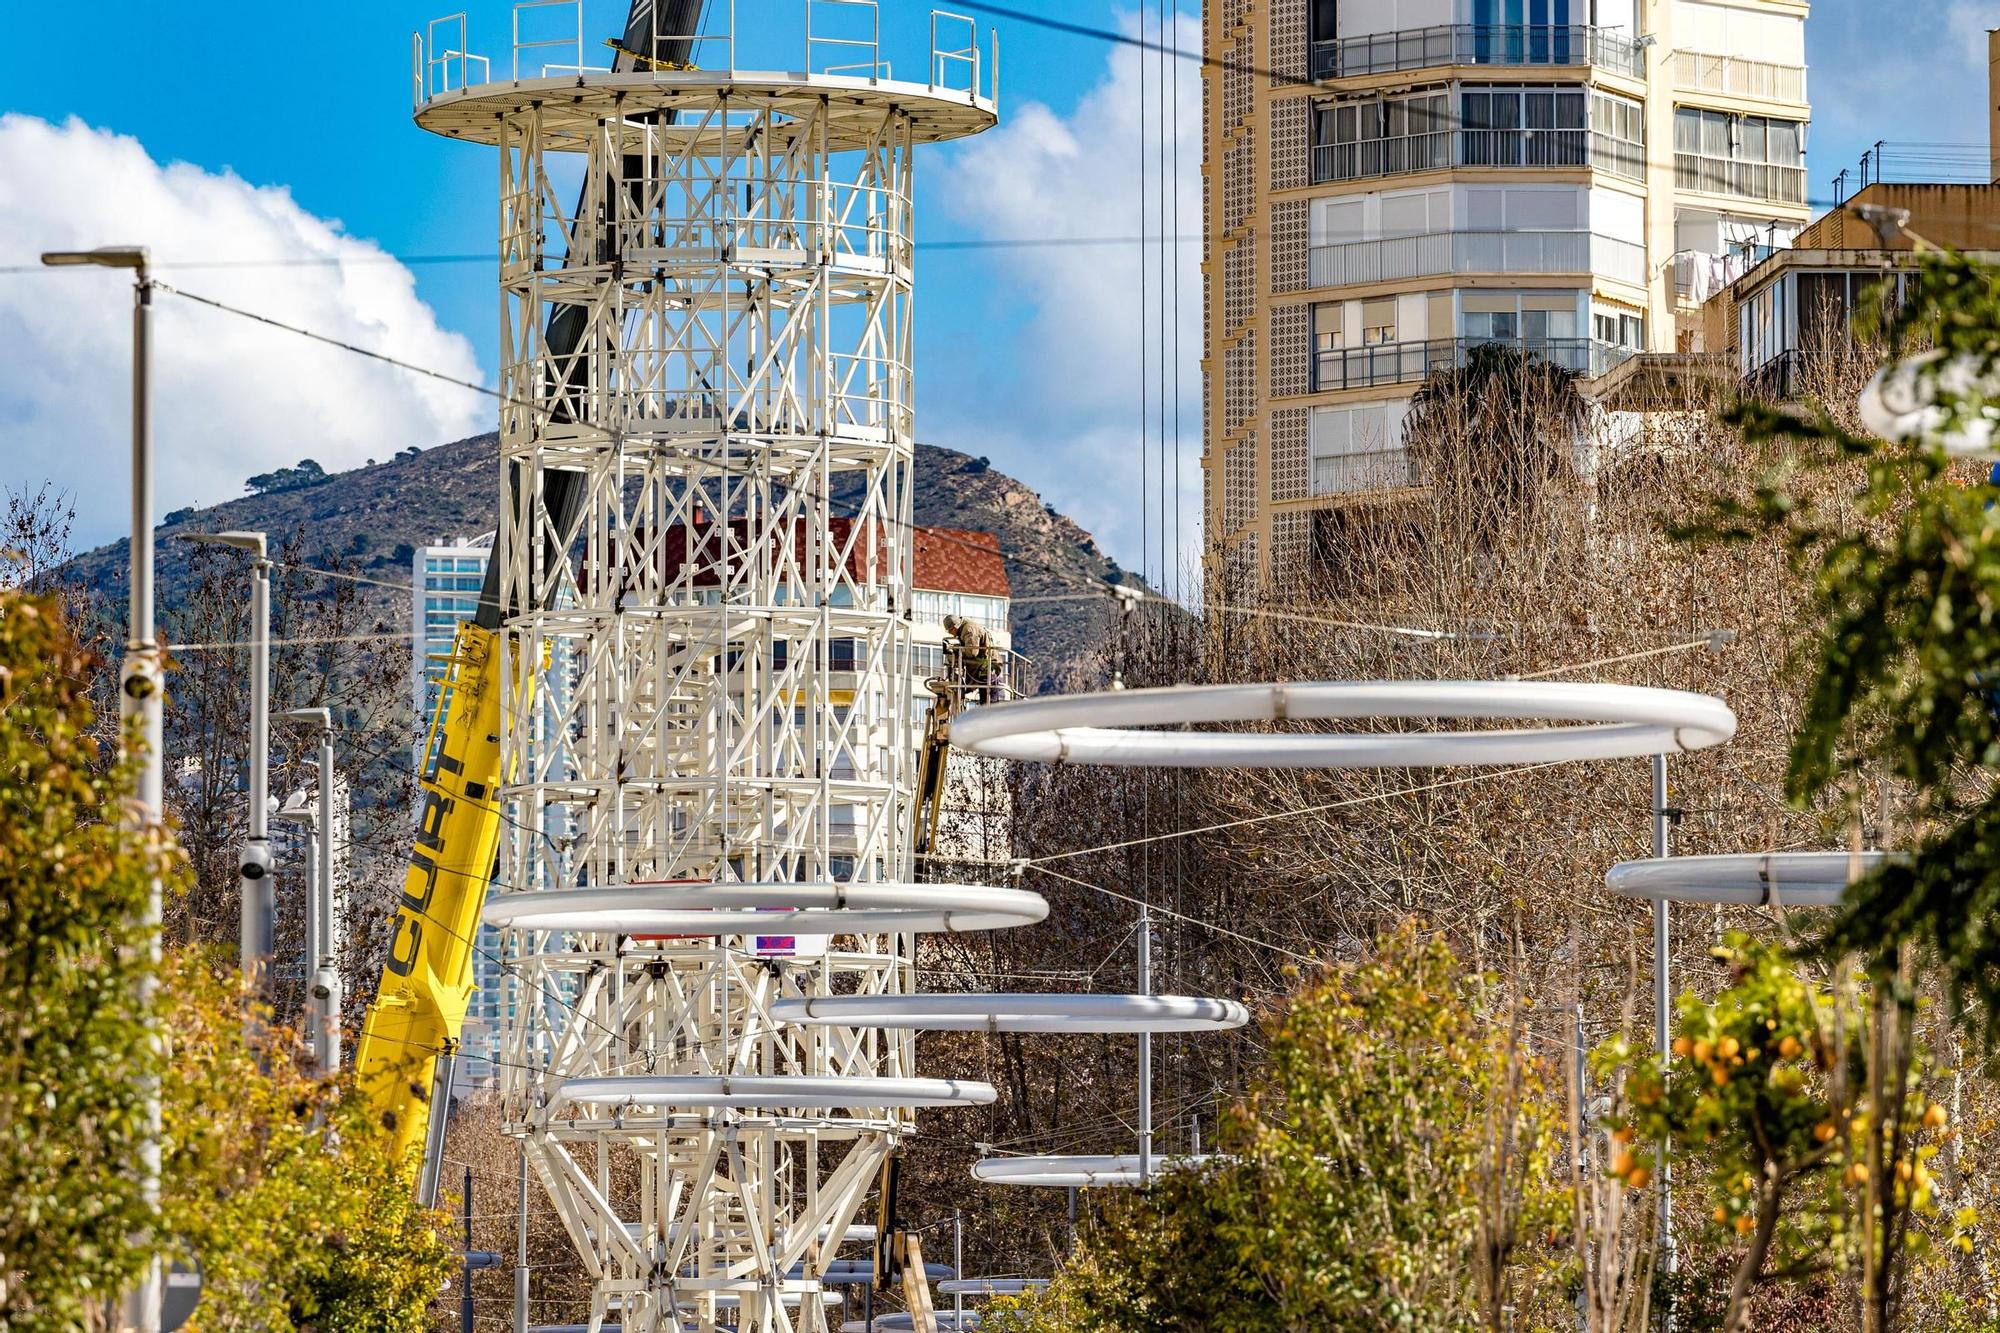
x=952 y=623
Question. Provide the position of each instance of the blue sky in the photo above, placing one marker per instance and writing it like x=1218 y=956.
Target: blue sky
x=1019 y=357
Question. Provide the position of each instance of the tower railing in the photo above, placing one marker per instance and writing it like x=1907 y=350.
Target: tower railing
x=443 y=62
x=1496 y=44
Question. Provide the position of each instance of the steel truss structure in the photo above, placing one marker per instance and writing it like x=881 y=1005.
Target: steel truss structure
x=705 y=554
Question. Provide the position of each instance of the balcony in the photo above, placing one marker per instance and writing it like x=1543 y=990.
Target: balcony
x=1397 y=257
x=1439 y=149
x=1477 y=44
x=1373 y=470
x=1412 y=362
x=1767 y=181
x=1733 y=76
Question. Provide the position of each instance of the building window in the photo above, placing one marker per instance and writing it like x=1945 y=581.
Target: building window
x=1327 y=334
x=1758 y=157
x=1324 y=18
x=1618 y=135
x=1378 y=322
x=1544 y=323
x=1617 y=328
x=1518 y=32
x=1534 y=127
x=1359 y=449
x=1381 y=137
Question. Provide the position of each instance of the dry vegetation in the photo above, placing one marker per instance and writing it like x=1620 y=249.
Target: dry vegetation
x=1514 y=559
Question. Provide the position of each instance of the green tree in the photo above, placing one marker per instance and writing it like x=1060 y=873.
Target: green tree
x=305 y=473
x=72 y=959
x=1397 y=1167
x=283 y=1191
x=1906 y=671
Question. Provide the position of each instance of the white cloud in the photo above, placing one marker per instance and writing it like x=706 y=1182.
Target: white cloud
x=1924 y=81
x=231 y=397
x=1070 y=422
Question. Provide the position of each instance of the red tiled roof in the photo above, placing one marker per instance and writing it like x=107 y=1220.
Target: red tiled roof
x=944 y=559
x=959 y=560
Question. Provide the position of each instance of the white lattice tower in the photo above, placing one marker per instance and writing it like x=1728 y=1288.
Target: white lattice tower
x=706 y=437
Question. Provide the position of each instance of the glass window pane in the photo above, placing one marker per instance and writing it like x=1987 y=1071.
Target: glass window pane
x=1750 y=140
x=1783 y=142
x=1687 y=130
x=1714 y=134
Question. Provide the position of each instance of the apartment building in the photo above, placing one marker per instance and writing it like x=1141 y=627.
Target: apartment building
x=1794 y=308
x=1389 y=183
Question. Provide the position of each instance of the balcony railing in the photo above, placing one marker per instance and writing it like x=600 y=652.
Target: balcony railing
x=1409 y=362
x=1357 y=262
x=1375 y=470
x=1438 y=149
x=1750 y=180
x=1477 y=44
x=1736 y=77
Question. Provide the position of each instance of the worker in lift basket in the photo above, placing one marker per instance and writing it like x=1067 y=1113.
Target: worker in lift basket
x=976 y=652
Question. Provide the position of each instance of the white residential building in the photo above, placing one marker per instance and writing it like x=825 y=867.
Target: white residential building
x=1391 y=183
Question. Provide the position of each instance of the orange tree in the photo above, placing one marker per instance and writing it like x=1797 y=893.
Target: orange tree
x=1768 y=1090
x=1382 y=1174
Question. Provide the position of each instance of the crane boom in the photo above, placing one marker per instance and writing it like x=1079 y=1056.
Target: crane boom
x=426 y=986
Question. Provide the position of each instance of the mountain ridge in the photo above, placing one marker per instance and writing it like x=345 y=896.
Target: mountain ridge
x=375 y=517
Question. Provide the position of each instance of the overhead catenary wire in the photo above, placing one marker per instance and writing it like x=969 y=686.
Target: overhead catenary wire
x=1038 y=862
x=945 y=244
x=1097 y=586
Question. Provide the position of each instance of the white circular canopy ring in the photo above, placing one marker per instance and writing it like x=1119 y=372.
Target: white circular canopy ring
x=760 y=1091
x=1795 y=879
x=712 y=910
x=1015 y=1012
x=1611 y=722
x=990 y=1286
x=1901 y=402
x=902 y=1321
x=1073 y=1172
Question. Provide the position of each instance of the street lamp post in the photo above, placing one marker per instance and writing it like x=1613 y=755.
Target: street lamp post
x=322 y=914
x=141 y=690
x=253 y=866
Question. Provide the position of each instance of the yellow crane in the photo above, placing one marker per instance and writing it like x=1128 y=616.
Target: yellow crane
x=419 y=1008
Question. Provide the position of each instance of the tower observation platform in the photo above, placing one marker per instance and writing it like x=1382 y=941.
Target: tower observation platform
x=704 y=551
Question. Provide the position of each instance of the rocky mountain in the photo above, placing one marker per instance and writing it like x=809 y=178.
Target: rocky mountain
x=374 y=517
